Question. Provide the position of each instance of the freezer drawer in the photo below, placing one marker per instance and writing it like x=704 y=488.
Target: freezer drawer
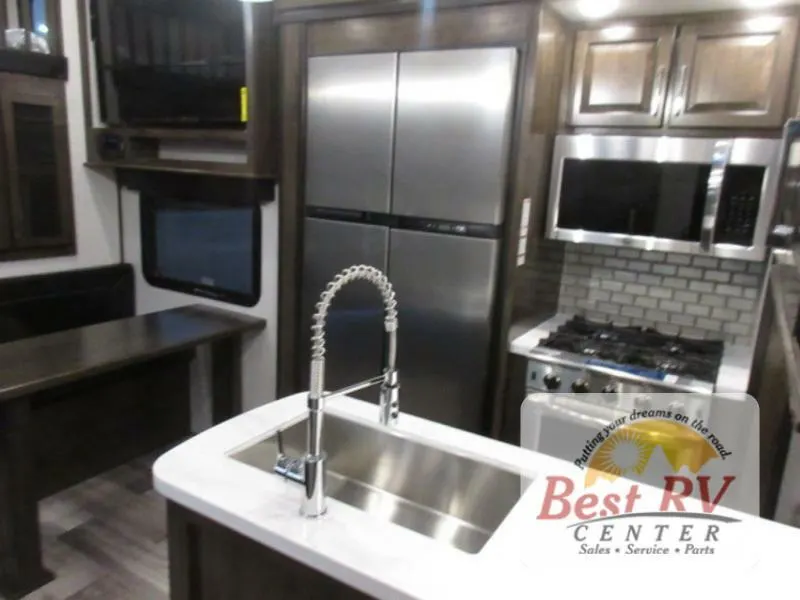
x=351 y=108
x=445 y=288
x=354 y=348
x=454 y=117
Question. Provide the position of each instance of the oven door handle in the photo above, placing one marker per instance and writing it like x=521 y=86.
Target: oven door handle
x=791 y=349
x=716 y=179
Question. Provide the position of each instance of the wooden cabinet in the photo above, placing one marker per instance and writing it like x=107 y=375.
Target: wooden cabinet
x=734 y=74
x=724 y=73
x=620 y=76
x=36 y=188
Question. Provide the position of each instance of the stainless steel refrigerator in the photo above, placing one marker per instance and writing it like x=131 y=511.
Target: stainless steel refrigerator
x=407 y=160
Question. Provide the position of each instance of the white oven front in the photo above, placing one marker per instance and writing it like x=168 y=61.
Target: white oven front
x=559 y=425
x=564 y=426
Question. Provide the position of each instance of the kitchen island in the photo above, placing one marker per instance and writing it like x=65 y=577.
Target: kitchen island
x=226 y=510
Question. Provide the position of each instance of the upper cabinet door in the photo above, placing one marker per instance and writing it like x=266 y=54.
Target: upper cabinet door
x=351 y=108
x=37 y=162
x=620 y=76
x=733 y=74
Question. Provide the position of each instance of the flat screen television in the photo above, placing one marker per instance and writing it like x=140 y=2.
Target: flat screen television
x=202 y=248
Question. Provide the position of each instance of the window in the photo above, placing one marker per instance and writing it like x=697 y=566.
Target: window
x=36 y=212
x=39 y=18
x=203 y=248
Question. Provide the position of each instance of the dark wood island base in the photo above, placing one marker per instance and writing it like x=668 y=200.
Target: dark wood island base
x=208 y=561
x=21 y=569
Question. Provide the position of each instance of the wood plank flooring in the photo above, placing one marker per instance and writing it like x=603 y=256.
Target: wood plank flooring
x=106 y=538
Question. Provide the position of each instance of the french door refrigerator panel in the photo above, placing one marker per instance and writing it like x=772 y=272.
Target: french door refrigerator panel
x=354 y=348
x=351 y=112
x=454 y=118
x=445 y=288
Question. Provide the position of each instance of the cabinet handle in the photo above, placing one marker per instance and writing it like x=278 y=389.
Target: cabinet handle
x=683 y=82
x=658 y=90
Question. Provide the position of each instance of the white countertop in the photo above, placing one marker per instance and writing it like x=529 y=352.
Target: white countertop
x=734 y=370
x=526 y=558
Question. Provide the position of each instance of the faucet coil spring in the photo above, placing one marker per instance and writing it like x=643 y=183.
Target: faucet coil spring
x=349 y=275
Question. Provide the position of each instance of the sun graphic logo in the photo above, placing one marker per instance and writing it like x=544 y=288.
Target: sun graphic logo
x=632 y=449
x=625 y=452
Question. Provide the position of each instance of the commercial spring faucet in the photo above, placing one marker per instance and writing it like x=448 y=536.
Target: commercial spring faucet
x=314 y=461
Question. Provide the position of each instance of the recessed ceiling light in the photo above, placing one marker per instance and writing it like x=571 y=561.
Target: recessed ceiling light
x=595 y=9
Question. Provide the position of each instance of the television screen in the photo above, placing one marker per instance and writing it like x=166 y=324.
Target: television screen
x=205 y=249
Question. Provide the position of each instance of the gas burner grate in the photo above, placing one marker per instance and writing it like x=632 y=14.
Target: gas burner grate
x=642 y=347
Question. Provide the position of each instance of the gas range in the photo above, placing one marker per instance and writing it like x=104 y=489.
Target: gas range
x=582 y=356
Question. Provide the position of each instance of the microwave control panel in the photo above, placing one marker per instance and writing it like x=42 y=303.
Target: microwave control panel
x=739 y=205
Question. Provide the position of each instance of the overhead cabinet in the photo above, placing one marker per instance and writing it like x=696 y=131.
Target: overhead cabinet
x=179 y=82
x=732 y=73
x=36 y=211
x=621 y=76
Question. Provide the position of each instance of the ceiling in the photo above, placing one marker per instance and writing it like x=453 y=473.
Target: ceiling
x=574 y=9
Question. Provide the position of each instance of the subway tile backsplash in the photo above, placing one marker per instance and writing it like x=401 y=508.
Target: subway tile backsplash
x=695 y=296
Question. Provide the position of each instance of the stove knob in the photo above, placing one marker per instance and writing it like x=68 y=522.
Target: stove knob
x=552 y=382
x=611 y=388
x=581 y=386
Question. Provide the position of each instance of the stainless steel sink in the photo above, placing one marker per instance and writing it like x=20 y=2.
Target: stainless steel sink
x=451 y=498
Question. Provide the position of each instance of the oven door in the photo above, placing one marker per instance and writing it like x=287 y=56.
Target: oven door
x=700 y=196
x=563 y=427
x=553 y=424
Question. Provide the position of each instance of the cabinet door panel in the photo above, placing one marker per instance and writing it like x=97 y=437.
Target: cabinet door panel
x=37 y=151
x=454 y=117
x=620 y=76
x=351 y=108
x=734 y=74
x=445 y=289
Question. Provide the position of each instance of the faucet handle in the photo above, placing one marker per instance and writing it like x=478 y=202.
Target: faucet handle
x=291 y=468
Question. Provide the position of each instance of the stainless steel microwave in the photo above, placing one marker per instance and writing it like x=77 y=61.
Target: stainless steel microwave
x=693 y=195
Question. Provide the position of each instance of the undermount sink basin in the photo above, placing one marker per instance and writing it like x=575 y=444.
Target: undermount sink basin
x=451 y=498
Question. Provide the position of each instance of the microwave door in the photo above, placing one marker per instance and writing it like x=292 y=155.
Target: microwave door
x=634 y=198
x=691 y=195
